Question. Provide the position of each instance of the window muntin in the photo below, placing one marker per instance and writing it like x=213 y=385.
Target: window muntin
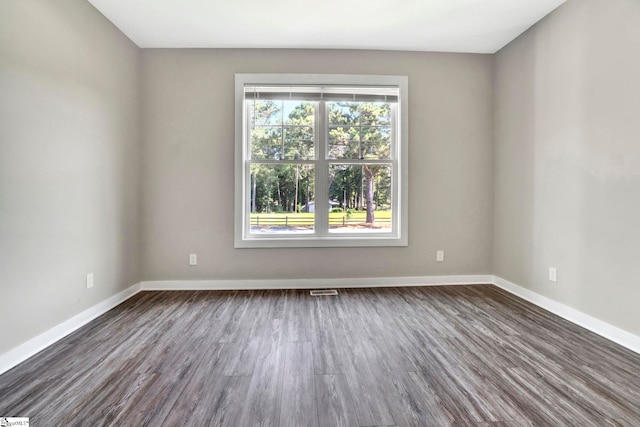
x=337 y=144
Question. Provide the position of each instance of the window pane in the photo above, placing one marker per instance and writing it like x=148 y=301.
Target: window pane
x=375 y=113
x=344 y=143
x=282 y=130
x=267 y=143
x=376 y=142
x=299 y=143
x=359 y=130
x=298 y=113
x=343 y=113
x=360 y=196
x=265 y=112
x=282 y=198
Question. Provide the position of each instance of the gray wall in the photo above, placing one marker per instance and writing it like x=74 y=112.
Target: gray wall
x=567 y=159
x=69 y=163
x=188 y=167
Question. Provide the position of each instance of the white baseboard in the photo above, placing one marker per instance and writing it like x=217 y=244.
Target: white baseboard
x=604 y=329
x=361 y=282
x=24 y=351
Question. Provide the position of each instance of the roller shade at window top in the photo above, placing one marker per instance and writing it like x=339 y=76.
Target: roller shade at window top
x=322 y=93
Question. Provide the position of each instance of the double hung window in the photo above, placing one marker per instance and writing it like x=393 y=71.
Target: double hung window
x=320 y=160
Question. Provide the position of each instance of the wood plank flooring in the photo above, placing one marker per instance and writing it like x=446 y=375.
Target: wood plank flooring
x=432 y=356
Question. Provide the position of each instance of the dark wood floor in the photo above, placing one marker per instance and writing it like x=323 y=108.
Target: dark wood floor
x=436 y=356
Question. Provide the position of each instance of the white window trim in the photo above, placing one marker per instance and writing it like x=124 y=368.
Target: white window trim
x=400 y=189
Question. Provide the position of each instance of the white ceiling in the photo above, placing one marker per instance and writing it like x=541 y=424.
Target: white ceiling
x=481 y=26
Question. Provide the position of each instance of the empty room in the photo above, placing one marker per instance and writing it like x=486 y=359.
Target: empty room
x=278 y=213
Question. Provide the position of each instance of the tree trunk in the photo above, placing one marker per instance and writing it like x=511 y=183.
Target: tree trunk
x=253 y=198
x=279 y=197
x=307 y=193
x=368 y=189
x=295 y=202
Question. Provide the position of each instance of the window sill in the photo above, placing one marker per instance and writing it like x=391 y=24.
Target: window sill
x=321 y=242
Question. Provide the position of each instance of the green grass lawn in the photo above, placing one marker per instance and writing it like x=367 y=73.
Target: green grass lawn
x=305 y=219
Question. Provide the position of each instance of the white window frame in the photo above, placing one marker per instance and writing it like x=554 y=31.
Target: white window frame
x=321 y=237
